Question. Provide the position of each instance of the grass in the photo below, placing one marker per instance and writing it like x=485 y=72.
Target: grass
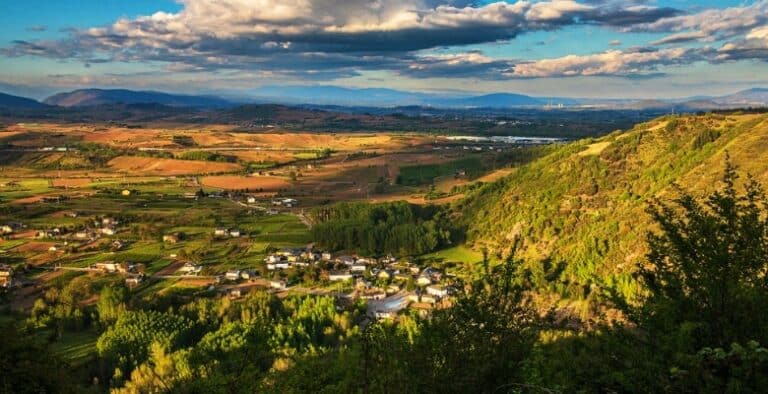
x=76 y=347
x=424 y=174
x=457 y=254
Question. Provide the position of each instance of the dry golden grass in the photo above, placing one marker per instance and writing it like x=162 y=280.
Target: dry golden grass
x=595 y=149
x=234 y=182
x=71 y=182
x=155 y=166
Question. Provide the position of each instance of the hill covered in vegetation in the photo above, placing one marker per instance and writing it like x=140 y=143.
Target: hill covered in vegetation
x=580 y=211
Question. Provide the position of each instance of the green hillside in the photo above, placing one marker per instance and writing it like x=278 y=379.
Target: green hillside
x=580 y=211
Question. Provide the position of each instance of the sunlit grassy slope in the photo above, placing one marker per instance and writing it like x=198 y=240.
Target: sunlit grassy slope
x=581 y=209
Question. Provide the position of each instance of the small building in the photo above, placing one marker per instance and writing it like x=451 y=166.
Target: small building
x=424 y=280
x=126 y=192
x=248 y=274
x=326 y=256
x=389 y=315
x=437 y=291
x=232 y=275
x=278 y=284
x=428 y=299
x=10 y=228
x=374 y=295
x=272 y=212
x=221 y=232
x=234 y=233
x=357 y=267
x=6 y=276
x=235 y=293
x=402 y=277
x=338 y=276
x=134 y=281
x=362 y=284
x=346 y=260
x=190 y=269
x=433 y=274
x=108 y=231
x=273 y=258
x=386 y=274
x=251 y=200
x=107 y=266
x=171 y=238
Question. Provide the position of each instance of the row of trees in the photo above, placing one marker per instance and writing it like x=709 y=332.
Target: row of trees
x=395 y=228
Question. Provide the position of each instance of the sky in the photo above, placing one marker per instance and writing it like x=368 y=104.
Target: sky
x=643 y=49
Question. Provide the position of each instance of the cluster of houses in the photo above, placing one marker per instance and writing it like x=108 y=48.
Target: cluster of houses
x=374 y=279
x=285 y=202
x=134 y=272
x=223 y=232
x=104 y=226
x=113 y=267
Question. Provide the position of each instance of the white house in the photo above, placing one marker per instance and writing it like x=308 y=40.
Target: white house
x=108 y=231
x=437 y=291
x=273 y=258
x=220 y=232
x=232 y=275
x=278 y=284
x=339 y=276
x=107 y=266
x=424 y=280
x=251 y=200
x=234 y=233
x=385 y=314
x=248 y=274
x=190 y=269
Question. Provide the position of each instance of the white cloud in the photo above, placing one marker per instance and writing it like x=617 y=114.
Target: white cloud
x=613 y=62
x=709 y=25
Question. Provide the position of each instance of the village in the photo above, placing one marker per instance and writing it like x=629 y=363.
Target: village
x=388 y=285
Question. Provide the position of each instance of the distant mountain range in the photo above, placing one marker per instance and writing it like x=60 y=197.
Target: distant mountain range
x=6 y=100
x=378 y=97
x=91 y=97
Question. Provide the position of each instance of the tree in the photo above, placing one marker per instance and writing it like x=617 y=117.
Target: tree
x=480 y=344
x=111 y=303
x=706 y=268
